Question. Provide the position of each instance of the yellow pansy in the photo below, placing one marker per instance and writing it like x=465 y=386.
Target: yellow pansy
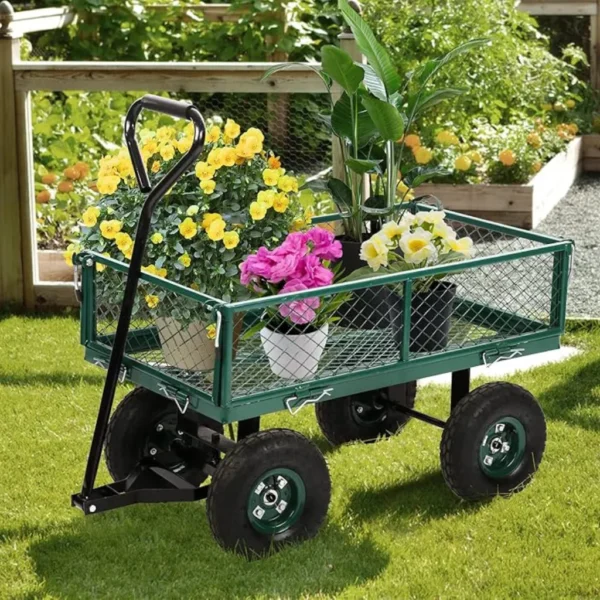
x=192 y=210
x=208 y=186
x=108 y=184
x=232 y=129
x=507 y=157
x=228 y=156
x=463 y=163
x=215 y=158
x=109 y=229
x=258 y=211
x=205 y=171
x=287 y=184
x=124 y=242
x=185 y=260
x=281 y=202
x=128 y=254
x=152 y=300
x=188 y=228
x=231 y=239
x=183 y=145
x=155 y=167
x=188 y=130
x=165 y=134
x=150 y=147
x=254 y=132
x=298 y=224
x=68 y=254
x=154 y=270
x=405 y=192
x=249 y=145
x=267 y=197
x=100 y=266
x=270 y=177
x=216 y=230
x=90 y=216
x=211 y=331
x=213 y=135
x=375 y=252
x=167 y=151
x=309 y=213
x=423 y=155
x=208 y=218
x=157 y=238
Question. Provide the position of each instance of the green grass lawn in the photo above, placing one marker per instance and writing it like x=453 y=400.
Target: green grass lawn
x=394 y=529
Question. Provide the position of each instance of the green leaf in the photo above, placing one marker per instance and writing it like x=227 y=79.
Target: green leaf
x=419 y=103
x=341 y=68
x=386 y=117
x=342 y=195
x=362 y=166
x=341 y=122
x=373 y=83
x=376 y=54
x=419 y=175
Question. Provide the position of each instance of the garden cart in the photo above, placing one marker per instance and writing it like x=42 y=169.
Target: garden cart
x=166 y=438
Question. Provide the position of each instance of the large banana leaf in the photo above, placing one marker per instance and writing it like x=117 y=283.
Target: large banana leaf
x=386 y=117
x=362 y=165
x=342 y=122
x=376 y=54
x=373 y=83
x=341 y=68
x=420 y=102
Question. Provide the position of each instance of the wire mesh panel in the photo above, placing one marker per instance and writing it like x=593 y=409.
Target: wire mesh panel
x=513 y=286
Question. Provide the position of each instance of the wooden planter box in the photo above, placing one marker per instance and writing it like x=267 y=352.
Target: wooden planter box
x=591 y=152
x=519 y=205
x=52 y=266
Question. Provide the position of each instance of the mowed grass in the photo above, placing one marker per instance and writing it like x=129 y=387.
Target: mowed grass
x=394 y=529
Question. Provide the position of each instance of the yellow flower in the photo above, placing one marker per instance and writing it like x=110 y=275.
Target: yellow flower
x=215 y=158
x=155 y=166
x=204 y=171
x=375 y=252
x=188 y=130
x=183 y=145
x=423 y=155
x=100 y=266
x=128 y=253
x=167 y=151
x=208 y=218
x=463 y=245
x=216 y=230
x=192 y=210
x=416 y=246
x=406 y=193
x=154 y=270
x=281 y=202
x=185 y=260
x=68 y=254
x=231 y=239
x=274 y=162
x=507 y=157
x=164 y=134
x=188 y=229
x=309 y=213
x=443 y=231
x=228 y=156
x=258 y=211
x=270 y=177
x=412 y=140
x=250 y=144
x=267 y=197
x=431 y=217
x=536 y=166
x=298 y=224
x=475 y=156
x=152 y=300
x=150 y=147
x=570 y=103
x=208 y=186
x=447 y=138
x=108 y=184
x=213 y=135
x=573 y=128
x=90 y=216
x=254 y=132
x=124 y=242
x=109 y=229
x=211 y=331
x=534 y=140
x=232 y=129
x=287 y=184
x=463 y=163
x=157 y=238
x=393 y=229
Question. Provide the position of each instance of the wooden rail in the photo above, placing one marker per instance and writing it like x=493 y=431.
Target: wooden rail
x=559 y=7
x=219 y=13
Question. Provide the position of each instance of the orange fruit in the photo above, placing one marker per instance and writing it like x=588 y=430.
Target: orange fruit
x=83 y=168
x=65 y=187
x=42 y=197
x=49 y=178
x=72 y=173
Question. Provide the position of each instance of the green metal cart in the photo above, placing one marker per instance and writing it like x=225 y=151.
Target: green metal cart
x=271 y=487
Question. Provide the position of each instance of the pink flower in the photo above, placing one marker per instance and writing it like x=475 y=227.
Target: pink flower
x=284 y=267
x=324 y=244
x=301 y=311
x=312 y=273
x=257 y=265
x=294 y=243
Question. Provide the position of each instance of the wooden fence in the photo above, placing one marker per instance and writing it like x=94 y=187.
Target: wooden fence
x=19 y=283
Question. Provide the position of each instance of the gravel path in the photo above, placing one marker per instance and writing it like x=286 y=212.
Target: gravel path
x=577 y=217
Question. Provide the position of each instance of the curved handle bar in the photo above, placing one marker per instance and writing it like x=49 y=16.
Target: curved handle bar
x=173 y=108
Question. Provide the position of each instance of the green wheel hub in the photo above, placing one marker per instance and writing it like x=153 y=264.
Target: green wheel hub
x=276 y=501
x=502 y=448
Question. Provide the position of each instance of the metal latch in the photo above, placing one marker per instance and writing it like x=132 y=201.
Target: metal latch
x=77 y=282
x=181 y=400
x=500 y=355
x=294 y=410
x=104 y=364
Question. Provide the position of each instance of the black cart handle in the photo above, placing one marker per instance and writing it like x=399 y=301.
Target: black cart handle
x=173 y=108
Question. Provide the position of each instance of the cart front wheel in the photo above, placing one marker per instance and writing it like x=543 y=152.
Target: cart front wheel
x=145 y=424
x=272 y=488
x=367 y=416
x=493 y=442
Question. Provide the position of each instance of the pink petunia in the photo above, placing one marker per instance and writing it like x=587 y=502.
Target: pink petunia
x=312 y=273
x=324 y=244
x=300 y=312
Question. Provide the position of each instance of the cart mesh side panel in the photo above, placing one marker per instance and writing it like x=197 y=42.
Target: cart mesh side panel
x=375 y=326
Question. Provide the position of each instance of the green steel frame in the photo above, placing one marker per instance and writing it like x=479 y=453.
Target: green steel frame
x=529 y=335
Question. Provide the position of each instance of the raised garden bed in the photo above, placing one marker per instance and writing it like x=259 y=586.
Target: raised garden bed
x=52 y=266
x=521 y=205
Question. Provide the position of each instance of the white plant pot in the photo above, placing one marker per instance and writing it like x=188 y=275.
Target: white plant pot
x=294 y=356
x=186 y=346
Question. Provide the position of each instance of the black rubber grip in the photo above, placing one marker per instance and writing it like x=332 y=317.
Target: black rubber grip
x=173 y=108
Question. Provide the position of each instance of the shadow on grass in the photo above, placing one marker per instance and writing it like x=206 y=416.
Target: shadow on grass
x=418 y=501
x=564 y=400
x=167 y=551
x=55 y=378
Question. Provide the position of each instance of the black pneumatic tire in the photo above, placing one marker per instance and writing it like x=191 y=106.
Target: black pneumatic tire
x=471 y=432
x=233 y=487
x=340 y=422
x=132 y=428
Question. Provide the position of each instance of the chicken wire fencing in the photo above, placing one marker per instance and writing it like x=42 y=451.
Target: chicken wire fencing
x=370 y=327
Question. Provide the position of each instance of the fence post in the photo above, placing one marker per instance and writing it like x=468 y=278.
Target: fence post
x=595 y=50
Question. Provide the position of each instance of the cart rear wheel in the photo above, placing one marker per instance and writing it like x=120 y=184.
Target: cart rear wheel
x=145 y=424
x=273 y=488
x=493 y=442
x=366 y=416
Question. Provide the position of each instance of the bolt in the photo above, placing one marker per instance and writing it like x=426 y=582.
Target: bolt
x=159 y=427
x=153 y=451
x=92 y=508
x=179 y=432
x=360 y=410
x=89 y=262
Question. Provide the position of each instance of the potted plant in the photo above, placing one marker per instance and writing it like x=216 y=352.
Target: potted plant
x=415 y=241
x=294 y=334
x=237 y=199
